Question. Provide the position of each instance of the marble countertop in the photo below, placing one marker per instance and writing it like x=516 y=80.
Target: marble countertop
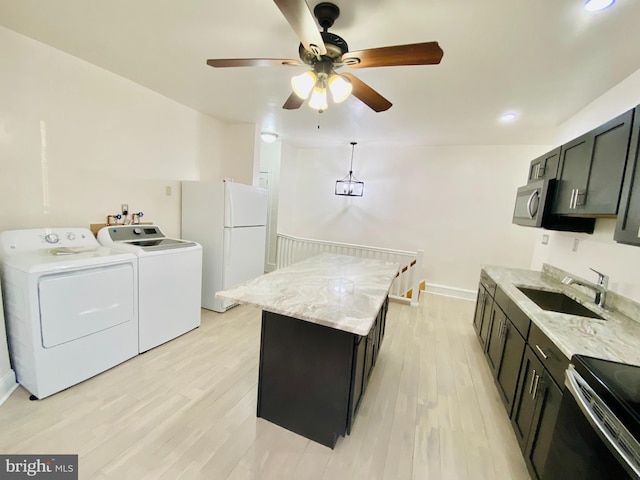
x=338 y=291
x=616 y=338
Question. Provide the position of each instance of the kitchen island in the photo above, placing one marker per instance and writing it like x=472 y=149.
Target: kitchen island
x=323 y=321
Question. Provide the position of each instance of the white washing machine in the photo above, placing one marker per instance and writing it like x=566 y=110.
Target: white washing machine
x=70 y=305
x=169 y=280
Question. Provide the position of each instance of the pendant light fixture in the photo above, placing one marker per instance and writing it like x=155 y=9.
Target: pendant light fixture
x=350 y=186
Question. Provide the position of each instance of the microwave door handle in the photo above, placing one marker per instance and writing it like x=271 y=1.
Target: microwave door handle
x=530 y=202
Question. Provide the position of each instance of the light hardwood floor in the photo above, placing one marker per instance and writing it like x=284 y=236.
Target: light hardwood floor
x=186 y=410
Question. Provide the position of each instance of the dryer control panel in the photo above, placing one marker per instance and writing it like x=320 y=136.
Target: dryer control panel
x=127 y=233
x=14 y=241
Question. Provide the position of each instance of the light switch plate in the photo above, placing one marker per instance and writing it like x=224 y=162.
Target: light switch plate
x=576 y=242
x=545 y=239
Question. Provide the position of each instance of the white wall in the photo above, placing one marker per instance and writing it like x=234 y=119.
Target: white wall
x=270 y=155
x=239 y=150
x=76 y=141
x=620 y=262
x=455 y=203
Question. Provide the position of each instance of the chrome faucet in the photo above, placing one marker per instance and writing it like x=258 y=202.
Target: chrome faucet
x=599 y=288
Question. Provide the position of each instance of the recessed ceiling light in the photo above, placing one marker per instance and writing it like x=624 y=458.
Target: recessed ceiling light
x=597 y=5
x=268 y=137
x=508 y=117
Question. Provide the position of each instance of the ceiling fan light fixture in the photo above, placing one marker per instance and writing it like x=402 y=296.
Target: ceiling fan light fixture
x=597 y=5
x=302 y=84
x=340 y=88
x=318 y=100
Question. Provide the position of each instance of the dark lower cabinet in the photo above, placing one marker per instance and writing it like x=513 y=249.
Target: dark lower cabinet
x=484 y=305
x=535 y=412
x=495 y=343
x=543 y=423
x=509 y=371
x=481 y=301
x=485 y=326
x=525 y=404
x=504 y=354
x=312 y=377
x=527 y=368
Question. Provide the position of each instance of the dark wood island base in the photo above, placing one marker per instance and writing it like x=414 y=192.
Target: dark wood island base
x=312 y=377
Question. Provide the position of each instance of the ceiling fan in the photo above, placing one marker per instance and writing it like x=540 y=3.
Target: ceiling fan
x=326 y=52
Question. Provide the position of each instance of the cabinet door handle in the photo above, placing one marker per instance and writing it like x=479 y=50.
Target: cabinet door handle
x=533 y=379
x=573 y=197
x=535 y=388
x=544 y=355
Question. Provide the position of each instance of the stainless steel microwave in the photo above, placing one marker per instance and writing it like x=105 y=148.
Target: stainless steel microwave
x=532 y=201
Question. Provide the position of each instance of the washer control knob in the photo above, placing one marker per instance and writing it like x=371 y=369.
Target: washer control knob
x=51 y=238
x=71 y=236
x=137 y=231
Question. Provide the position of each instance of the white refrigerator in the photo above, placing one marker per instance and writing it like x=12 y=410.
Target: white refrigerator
x=229 y=221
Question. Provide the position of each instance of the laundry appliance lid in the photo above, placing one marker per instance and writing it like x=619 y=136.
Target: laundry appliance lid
x=49 y=260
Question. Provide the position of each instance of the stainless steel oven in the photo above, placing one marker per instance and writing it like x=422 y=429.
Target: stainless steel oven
x=531 y=201
x=595 y=435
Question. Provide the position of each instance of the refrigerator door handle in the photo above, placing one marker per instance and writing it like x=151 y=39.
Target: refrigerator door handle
x=227 y=247
x=228 y=200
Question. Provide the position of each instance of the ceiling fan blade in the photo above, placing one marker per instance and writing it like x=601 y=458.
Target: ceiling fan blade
x=428 y=53
x=368 y=95
x=251 y=62
x=301 y=20
x=293 y=102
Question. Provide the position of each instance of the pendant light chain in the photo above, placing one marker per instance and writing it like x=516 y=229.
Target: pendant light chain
x=353 y=146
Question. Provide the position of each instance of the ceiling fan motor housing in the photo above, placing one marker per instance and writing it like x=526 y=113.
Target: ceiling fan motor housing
x=336 y=47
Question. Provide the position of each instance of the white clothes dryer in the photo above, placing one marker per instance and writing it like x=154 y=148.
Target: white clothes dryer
x=70 y=305
x=169 y=281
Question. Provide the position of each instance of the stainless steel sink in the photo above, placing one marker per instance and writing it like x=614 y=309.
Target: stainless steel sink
x=557 y=302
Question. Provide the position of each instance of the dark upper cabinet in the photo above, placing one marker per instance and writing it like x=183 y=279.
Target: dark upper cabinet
x=545 y=166
x=628 y=224
x=591 y=170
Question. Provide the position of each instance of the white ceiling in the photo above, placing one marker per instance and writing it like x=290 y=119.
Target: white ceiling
x=543 y=59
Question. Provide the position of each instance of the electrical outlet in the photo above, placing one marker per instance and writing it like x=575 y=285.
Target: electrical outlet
x=545 y=239
x=167 y=190
x=576 y=242
x=125 y=209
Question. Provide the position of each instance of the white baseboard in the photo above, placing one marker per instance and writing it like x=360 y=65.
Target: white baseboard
x=7 y=385
x=446 y=291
